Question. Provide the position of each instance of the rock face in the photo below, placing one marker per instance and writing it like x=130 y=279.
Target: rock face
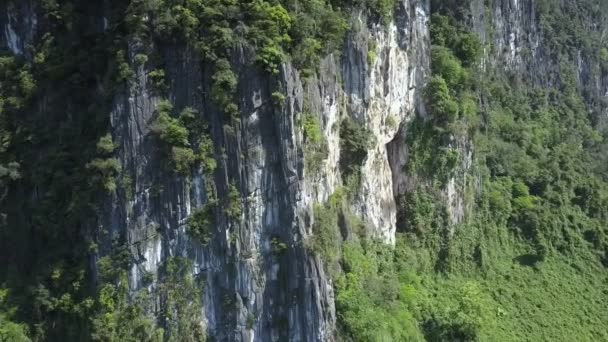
x=252 y=293
x=289 y=294
x=518 y=40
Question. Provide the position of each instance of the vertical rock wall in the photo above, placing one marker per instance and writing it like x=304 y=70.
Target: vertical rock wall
x=289 y=295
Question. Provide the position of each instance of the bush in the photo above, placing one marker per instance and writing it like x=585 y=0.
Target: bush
x=233 y=206
x=105 y=145
x=268 y=32
x=156 y=80
x=223 y=88
x=466 y=317
x=200 y=224
x=105 y=168
x=9 y=330
x=205 y=155
x=445 y=65
x=468 y=49
x=277 y=246
x=384 y=8
x=124 y=73
x=441 y=31
x=423 y=212
x=604 y=59
x=326 y=239
x=183 y=158
x=174 y=135
x=170 y=131
x=371 y=304
x=354 y=142
x=315 y=146
x=317 y=29
x=440 y=102
x=278 y=98
x=140 y=59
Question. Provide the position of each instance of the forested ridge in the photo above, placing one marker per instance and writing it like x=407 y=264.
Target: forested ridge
x=524 y=258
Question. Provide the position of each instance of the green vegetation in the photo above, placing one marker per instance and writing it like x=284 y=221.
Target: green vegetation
x=201 y=223
x=233 y=203
x=315 y=145
x=124 y=73
x=106 y=168
x=121 y=317
x=514 y=270
x=116 y=317
x=182 y=307
x=371 y=302
x=277 y=246
x=325 y=240
x=157 y=81
x=9 y=330
x=354 y=142
x=528 y=262
x=532 y=250
x=176 y=135
x=173 y=135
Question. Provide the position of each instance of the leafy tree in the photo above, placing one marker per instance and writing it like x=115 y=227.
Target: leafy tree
x=10 y=330
x=441 y=104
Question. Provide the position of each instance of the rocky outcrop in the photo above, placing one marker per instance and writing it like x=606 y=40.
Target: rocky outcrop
x=19 y=22
x=251 y=293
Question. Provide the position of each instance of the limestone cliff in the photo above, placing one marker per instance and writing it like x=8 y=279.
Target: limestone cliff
x=377 y=78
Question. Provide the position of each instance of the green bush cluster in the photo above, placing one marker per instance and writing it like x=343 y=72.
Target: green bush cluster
x=380 y=298
x=315 y=145
x=106 y=168
x=201 y=223
x=17 y=88
x=157 y=81
x=114 y=316
x=450 y=101
x=465 y=45
x=118 y=316
x=184 y=139
x=10 y=330
x=428 y=153
x=233 y=207
x=181 y=294
x=354 y=142
x=277 y=246
x=372 y=304
x=423 y=213
x=326 y=240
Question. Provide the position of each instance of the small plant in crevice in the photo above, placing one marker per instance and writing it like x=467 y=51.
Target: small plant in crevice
x=277 y=246
x=250 y=320
x=372 y=55
x=147 y=278
x=278 y=98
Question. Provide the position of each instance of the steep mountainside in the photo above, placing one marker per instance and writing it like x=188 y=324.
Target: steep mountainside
x=303 y=170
